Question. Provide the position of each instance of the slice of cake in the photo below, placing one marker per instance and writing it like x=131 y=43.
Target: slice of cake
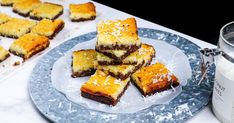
x=46 y=10
x=118 y=35
x=105 y=60
x=83 y=63
x=4 y=54
x=146 y=52
x=82 y=12
x=104 y=88
x=24 y=7
x=14 y=28
x=154 y=78
x=48 y=28
x=120 y=71
x=116 y=54
x=144 y=57
x=4 y=18
x=29 y=45
x=8 y=2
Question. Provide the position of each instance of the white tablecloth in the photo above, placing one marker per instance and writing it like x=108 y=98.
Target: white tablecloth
x=15 y=103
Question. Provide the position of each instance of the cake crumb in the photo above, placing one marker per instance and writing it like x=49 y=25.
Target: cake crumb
x=16 y=63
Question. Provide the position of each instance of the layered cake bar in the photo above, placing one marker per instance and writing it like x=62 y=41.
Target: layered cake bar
x=116 y=54
x=104 y=88
x=146 y=52
x=118 y=35
x=14 y=28
x=105 y=60
x=82 y=12
x=48 y=28
x=4 y=18
x=24 y=7
x=4 y=54
x=83 y=63
x=120 y=71
x=144 y=57
x=46 y=10
x=29 y=45
x=154 y=78
x=8 y=2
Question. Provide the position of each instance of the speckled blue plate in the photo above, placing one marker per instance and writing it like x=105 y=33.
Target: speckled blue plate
x=58 y=108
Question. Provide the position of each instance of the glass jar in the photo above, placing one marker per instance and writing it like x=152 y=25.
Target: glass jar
x=223 y=91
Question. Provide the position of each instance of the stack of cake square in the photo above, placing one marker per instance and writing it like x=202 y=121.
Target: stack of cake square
x=119 y=54
x=117 y=46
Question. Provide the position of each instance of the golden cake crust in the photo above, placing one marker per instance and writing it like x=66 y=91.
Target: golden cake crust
x=28 y=45
x=14 y=28
x=4 y=54
x=4 y=18
x=104 y=88
x=83 y=62
x=154 y=78
x=117 y=34
x=82 y=12
x=8 y=2
x=48 y=28
x=25 y=6
x=46 y=10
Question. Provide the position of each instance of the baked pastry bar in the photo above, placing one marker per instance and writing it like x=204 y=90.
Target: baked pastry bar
x=116 y=54
x=46 y=10
x=83 y=63
x=105 y=60
x=8 y=2
x=4 y=18
x=82 y=12
x=29 y=45
x=118 y=35
x=4 y=54
x=14 y=28
x=120 y=71
x=48 y=28
x=104 y=88
x=146 y=52
x=24 y=7
x=154 y=78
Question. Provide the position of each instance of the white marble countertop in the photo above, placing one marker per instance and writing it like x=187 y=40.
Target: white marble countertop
x=15 y=103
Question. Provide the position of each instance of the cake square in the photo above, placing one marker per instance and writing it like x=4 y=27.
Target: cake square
x=116 y=54
x=105 y=60
x=46 y=10
x=83 y=63
x=25 y=7
x=144 y=57
x=82 y=12
x=14 y=28
x=104 y=88
x=29 y=45
x=120 y=71
x=146 y=53
x=154 y=78
x=4 y=54
x=118 y=35
x=4 y=18
x=48 y=28
x=9 y=2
